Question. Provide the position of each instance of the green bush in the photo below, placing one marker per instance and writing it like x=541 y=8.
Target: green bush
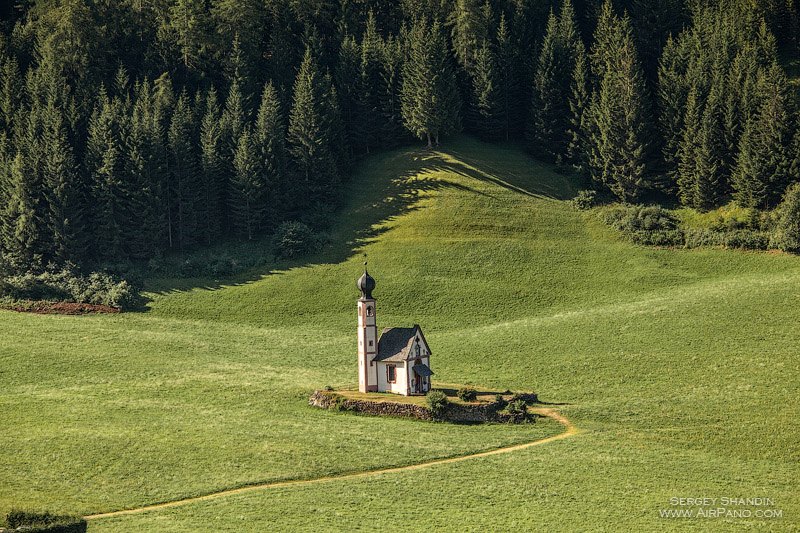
x=646 y=225
x=585 y=199
x=467 y=394
x=293 y=240
x=518 y=410
x=786 y=235
x=45 y=522
x=437 y=403
x=65 y=285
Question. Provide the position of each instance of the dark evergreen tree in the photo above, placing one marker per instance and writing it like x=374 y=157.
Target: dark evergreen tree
x=555 y=68
x=369 y=94
x=247 y=188
x=185 y=182
x=485 y=111
x=764 y=163
x=620 y=135
x=507 y=77
x=269 y=136
x=63 y=190
x=105 y=164
x=392 y=131
x=308 y=134
x=212 y=163
x=430 y=101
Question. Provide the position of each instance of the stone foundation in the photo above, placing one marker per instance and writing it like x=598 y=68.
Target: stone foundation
x=455 y=413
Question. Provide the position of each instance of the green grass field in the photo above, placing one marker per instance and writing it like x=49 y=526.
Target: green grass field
x=680 y=367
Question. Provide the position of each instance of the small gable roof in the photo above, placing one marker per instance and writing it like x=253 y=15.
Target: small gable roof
x=395 y=343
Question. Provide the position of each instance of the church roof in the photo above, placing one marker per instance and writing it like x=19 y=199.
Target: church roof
x=395 y=343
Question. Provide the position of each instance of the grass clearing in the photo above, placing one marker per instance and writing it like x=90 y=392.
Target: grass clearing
x=680 y=366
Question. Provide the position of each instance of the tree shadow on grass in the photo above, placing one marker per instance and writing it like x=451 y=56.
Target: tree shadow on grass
x=383 y=188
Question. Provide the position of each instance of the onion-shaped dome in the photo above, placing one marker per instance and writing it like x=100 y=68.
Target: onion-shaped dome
x=366 y=284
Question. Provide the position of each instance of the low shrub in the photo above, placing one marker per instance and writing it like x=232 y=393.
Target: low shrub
x=44 y=522
x=293 y=240
x=518 y=410
x=437 y=403
x=584 y=200
x=744 y=239
x=634 y=218
x=467 y=394
x=500 y=402
x=786 y=235
x=64 y=285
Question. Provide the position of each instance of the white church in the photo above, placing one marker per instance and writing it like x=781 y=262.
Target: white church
x=399 y=361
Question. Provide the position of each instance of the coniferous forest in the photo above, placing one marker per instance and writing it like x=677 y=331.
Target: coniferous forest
x=134 y=128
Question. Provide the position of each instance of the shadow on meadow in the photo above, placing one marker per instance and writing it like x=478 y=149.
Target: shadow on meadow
x=382 y=189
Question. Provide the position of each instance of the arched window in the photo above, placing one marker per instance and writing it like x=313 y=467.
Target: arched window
x=369 y=310
x=419 y=349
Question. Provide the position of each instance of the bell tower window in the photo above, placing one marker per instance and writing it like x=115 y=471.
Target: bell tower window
x=369 y=310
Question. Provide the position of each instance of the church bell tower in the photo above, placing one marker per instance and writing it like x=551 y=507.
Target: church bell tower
x=367 y=334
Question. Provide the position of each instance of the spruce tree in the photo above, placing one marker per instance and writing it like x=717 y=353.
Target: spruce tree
x=369 y=83
x=485 y=112
x=620 y=137
x=105 y=165
x=184 y=177
x=392 y=130
x=308 y=134
x=578 y=133
x=469 y=29
x=23 y=236
x=764 y=164
x=430 y=101
x=247 y=188
x=555 y=68
x=269 y=134
x=348 y=69
x=507 y=86
x=212 y=164
x=63 y=190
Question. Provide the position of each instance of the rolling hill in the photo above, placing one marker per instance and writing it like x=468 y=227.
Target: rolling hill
x=679 y=366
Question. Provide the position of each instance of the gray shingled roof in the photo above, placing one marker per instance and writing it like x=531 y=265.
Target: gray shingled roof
x=395 y=343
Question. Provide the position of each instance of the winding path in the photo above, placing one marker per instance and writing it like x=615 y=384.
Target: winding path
x=569 y=427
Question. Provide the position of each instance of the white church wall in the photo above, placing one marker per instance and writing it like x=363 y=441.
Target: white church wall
x=400 y=386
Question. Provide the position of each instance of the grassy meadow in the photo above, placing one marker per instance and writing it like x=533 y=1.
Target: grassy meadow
x=679 y=366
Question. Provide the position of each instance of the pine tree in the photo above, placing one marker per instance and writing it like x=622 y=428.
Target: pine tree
x=212 y=163
x=764 y=163
x=485 y=110
x=507 y=86
x=189 y=26
x=185 y=183
x=392 y=131
x=144 y=173
x=348 y=68
x=430 y=102
x=23 y=237
x=269 y=140
x=578 y=133
x=370 y=88
x=688 y=151
x=247 y=188
x=620 y=138
x=308 y=134
x=64 y=192
x=555 y=68
x=469 y=29
x=11 y=88
x=104 y=162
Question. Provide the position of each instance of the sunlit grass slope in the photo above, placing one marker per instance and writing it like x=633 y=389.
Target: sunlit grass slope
x=680 y=366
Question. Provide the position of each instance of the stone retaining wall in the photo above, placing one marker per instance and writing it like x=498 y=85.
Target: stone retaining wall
x=456 y=413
